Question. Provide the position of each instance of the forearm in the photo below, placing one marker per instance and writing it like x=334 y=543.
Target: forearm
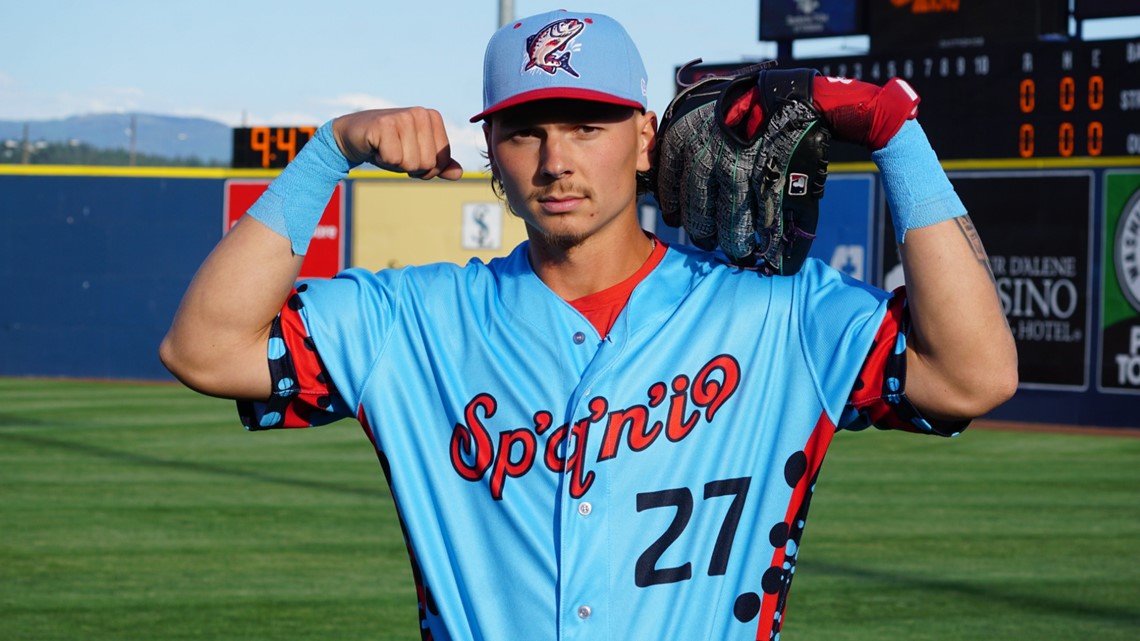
x=961 y=360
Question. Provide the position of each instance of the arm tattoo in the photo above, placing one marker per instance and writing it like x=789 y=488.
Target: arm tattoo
x=966 y=226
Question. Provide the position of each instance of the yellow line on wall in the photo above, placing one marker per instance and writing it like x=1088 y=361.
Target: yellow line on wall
x=134 y=172
x=183 y=172
x=376 y=174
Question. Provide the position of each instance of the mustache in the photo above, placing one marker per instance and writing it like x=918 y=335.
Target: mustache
x=561 y=189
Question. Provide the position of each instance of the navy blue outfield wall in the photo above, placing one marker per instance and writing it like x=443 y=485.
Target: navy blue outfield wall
x=94 y=263
x=94 y=268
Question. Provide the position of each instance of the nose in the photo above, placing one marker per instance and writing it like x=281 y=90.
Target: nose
x=555 y=160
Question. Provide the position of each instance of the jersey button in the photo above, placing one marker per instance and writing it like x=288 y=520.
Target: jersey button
x=584 y=508
x=579 y=338
x=584 y=612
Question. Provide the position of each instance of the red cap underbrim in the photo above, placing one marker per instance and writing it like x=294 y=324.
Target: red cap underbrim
x=557 y=92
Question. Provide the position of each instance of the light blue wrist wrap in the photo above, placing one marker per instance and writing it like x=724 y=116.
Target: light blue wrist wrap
x=918 y=191
x=293 y=203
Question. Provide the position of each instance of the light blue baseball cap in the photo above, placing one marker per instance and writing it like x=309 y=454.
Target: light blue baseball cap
x=562 y=54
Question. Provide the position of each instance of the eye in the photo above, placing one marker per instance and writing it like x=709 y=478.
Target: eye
x=522 y=133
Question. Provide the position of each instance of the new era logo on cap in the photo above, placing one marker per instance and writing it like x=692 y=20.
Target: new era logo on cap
x=562 y=54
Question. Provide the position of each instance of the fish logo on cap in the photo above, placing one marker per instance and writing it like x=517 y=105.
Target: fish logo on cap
x=549 y=50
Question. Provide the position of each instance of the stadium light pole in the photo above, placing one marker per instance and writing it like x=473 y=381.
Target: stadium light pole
x=26 y=147
x=133 y=132
x=506 y=11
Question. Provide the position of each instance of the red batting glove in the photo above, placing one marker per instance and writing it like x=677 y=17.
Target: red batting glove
x=746 y=114
x=856 y=111
x=864 y=113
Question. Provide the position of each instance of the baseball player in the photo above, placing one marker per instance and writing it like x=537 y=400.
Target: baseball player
x=598 y=436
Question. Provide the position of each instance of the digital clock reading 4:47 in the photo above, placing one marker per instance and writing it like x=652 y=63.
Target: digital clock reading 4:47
x=268 y=147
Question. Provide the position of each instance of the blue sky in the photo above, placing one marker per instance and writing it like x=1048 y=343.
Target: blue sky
x=305 y=61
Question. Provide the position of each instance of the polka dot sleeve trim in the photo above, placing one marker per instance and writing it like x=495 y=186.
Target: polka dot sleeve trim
x=303 y=394
x=879 y=394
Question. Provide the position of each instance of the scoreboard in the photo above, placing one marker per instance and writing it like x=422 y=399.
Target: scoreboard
x=268 y=147
x=1041 y=100
x=1034 y=100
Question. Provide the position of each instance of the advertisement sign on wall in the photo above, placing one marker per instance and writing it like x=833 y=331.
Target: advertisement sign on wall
x=326 y=250
x=896 y=25
x=1104 y=8
x=1036 y=230
x=1120 y=285
x=845 y=230
x=791 y=19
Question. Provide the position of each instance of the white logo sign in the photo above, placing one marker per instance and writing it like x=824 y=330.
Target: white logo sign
x=1127 y=251
x=807 y=6
x=482 y=225
x=849 y=260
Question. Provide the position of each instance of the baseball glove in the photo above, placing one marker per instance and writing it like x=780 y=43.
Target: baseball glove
x=741 y=163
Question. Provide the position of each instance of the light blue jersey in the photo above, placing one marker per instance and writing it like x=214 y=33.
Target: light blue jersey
x=555 y=484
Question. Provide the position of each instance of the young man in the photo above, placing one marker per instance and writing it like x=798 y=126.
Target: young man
x=597 y=436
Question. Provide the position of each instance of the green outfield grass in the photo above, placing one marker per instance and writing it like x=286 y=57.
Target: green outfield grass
x=145 y=512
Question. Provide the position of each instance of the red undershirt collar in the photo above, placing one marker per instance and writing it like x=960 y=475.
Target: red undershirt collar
x=602 y=308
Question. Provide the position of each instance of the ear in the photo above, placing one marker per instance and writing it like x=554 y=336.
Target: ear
x=648 y=138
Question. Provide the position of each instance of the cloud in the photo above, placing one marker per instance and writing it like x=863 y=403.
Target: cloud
x=468 y=145
x=113 y=100
x=20 y=103
x=467 y=142
x=349 y=102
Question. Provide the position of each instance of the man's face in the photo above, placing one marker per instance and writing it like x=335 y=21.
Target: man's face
x=569 y=167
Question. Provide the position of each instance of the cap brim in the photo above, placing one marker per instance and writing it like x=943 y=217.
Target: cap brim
x=554 y=93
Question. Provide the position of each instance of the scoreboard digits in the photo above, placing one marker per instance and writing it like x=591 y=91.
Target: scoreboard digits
x=1090 y=97
x=268 y=147
x=1040 y=100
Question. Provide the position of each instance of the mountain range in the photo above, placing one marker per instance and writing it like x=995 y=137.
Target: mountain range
x=169 y=136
